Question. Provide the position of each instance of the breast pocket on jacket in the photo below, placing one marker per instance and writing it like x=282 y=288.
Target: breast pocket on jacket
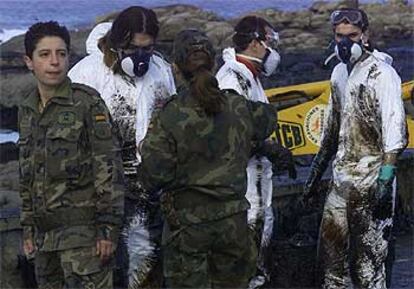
x=63 y=153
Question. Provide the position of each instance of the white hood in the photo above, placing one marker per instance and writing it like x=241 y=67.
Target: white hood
x=229 y=54
x=383 y=56
x=97 y=33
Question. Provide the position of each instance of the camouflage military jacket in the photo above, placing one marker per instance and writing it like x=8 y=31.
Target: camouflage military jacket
x=70 y=174
x=200 y=160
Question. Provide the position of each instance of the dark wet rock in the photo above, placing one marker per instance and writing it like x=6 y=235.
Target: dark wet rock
x=8 y=152
x=403 y=268
x=304 y=37
x=303 y=67
x=9 y=176
x=8 y=118
x=15 y=87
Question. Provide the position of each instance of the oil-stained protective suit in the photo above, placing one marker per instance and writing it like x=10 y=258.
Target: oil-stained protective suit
x=365 y=121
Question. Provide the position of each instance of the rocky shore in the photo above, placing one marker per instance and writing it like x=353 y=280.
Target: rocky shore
x=304 y=37
x=304 y=34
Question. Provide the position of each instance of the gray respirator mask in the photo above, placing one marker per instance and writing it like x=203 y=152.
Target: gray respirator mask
x=348 y=51
x=270 y=61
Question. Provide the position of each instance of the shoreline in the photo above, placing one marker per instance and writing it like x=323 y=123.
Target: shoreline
x=304 y=35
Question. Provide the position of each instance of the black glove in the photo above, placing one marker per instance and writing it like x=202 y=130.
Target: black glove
x=280 y=157
x=310 y=187
x=285 y=161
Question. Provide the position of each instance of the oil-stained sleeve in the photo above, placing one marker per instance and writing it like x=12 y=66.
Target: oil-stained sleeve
x=228 y=79
x=107 y=167
x=159 y=156
x=329 y=135
x=394 y=126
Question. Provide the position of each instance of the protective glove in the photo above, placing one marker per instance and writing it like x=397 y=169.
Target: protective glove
x=383 y=199
x=320 y=163
x=310 y=187
x=280 y=156
x=285 y=161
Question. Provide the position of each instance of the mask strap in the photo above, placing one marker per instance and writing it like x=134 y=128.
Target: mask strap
x=250 y=57
x=362 y=40
x=329 y=58
x=264 y=44
x=118 y=53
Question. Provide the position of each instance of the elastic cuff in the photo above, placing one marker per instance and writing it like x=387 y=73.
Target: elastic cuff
x=28 y=232
x=387 y=172
x=107 y=232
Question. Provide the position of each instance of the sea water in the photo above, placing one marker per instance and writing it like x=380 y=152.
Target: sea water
x=17 y=15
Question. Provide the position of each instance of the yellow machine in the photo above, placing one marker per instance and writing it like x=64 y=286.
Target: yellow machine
x=301 y=111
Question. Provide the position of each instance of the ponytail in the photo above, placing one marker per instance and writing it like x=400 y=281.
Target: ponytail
x=204 y=88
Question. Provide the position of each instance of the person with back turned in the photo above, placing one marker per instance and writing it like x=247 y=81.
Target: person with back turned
x=196 y=152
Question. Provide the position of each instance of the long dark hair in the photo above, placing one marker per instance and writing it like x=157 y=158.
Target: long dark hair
x=135 y=19
x=194 y=56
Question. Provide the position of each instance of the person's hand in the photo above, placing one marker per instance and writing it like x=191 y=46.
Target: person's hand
x=288 y=162
x=28 y=247
x=104 y=249
x=383 y=197
x=309 y=189
x=281 y=157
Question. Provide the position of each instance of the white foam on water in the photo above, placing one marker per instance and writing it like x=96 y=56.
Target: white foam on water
x=7 y=34
x=8 y=136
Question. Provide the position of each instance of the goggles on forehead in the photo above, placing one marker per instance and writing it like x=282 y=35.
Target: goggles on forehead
x=351 y=16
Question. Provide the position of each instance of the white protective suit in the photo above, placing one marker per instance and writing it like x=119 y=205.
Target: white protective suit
x=131 y=104
x=235 y=75
x=365 y=120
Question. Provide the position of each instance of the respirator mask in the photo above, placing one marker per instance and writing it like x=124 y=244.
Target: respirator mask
x=136 y=63
x=348 y=51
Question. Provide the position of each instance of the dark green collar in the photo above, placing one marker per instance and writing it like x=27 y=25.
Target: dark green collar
x=63 y=95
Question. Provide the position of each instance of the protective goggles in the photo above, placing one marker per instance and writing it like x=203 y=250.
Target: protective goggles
x=134 y=48
x=351 y=16
x=272 y=39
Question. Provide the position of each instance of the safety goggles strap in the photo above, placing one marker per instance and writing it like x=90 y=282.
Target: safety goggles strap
x=350 y=16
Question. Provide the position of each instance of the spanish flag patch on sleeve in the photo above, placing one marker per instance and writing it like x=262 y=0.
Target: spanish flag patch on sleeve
x=100 y=117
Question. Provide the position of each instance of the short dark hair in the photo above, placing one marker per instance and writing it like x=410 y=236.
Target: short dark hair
x=135 y=19
x=248 y=29
x=43 y=29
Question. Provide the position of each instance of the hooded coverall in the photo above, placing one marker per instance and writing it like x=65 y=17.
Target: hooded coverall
x=365 y=120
